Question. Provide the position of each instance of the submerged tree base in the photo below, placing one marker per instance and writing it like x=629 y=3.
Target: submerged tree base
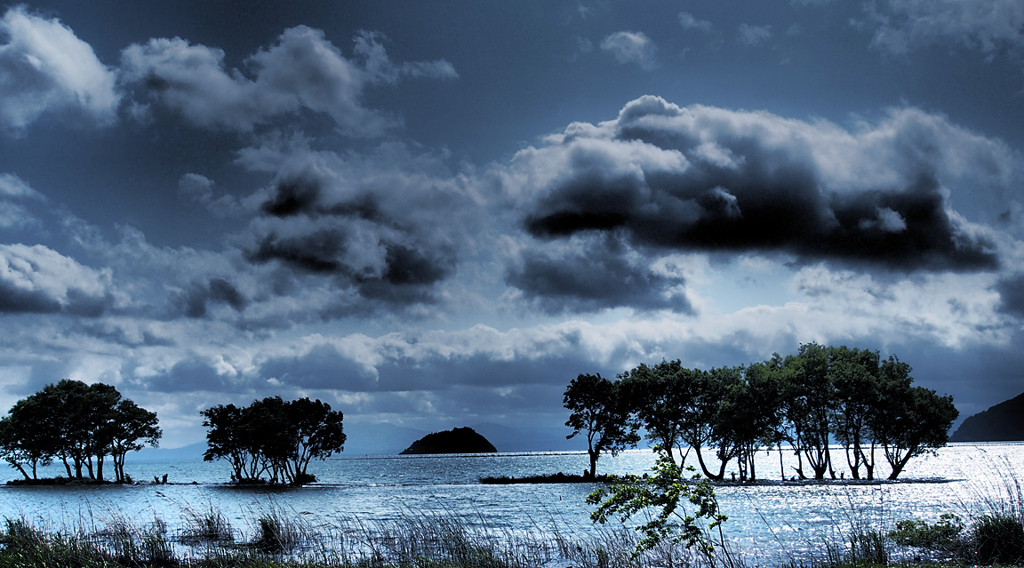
x=547 y=478
x=66 y=481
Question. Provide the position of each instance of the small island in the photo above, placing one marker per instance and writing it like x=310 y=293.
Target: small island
x=456 y=441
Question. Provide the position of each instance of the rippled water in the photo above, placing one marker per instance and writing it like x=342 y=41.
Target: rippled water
x=764 y=520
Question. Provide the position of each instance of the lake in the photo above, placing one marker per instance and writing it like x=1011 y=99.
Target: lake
x=765 y=521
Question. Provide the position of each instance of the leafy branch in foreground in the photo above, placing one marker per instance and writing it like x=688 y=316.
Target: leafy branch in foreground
x=659 y=497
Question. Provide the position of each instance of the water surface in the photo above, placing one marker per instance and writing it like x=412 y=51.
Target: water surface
x=764 y=520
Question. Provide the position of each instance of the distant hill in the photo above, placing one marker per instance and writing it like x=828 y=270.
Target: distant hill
x=457 y=441
x=1003 y=422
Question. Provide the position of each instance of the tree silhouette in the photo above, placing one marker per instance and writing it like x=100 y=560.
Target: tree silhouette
x=78 y=424
x=274 y=438
x=599 y=412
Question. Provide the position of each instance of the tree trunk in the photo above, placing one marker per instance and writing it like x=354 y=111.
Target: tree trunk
x=21 y=469
x=704 y=468
x=898 y=467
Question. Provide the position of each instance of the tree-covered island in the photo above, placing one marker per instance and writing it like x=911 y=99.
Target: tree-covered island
x=807 y=401
x=78 y=425
x=273 y=438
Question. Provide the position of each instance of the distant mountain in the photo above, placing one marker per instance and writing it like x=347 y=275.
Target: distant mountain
x=456 y=441
x=1003 y=422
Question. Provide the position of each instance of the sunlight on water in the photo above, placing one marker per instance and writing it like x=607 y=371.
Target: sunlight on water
x=770 y=521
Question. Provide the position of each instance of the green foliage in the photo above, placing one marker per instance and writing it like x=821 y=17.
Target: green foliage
x=868 y=547
x=598 y=411
x=275 y=535
x=79 y=424
x=663 y=494
x=811 y=399
x=943 y=535
x=273 y=437
x=210 y=526
x=998 y=539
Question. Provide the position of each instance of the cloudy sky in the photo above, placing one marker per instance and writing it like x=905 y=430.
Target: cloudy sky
x=436 y=214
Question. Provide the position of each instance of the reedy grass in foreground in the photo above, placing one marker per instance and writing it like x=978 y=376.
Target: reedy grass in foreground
x=207 y=540
x=274 y=538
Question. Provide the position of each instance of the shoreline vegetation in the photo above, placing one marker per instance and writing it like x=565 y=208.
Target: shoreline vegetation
x=574 y=478
x=276 y=538
x=990 y=533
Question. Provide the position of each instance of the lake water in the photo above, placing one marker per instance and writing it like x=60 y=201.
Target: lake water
x=766 y=521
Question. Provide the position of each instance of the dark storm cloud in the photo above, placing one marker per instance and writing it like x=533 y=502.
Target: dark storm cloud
x=708 y=179
x=380 y=269
x=382 y=227
x=598 y=274
x=194 y=300
x=1011 y=295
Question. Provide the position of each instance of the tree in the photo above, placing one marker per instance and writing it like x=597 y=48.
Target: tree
x=273 y=437
x=79 y=424
x=750 y=416
x=27 y=436
x=854 y=375
x=227 y=440
x=909 y=421
x=597 y=410
x=810 y=406
x=318 y=434
x=132 y=429
x=701 y=417
x=659 y=399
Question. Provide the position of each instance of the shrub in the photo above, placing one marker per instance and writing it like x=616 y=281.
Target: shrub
x=869 y=548
x=210 y=527
x=998 y=539
x=943 y=535
x=276 y=535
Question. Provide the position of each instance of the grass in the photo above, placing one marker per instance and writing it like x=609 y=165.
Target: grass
x=275 y=538
x=278 y=540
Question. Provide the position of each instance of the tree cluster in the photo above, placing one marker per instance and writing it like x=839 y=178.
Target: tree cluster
x=272 y=437
x=807 y=401
x=78 y=424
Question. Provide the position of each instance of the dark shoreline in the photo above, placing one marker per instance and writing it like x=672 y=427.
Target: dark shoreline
x=571 y=478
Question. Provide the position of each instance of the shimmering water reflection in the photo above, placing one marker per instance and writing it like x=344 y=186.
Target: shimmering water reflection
x=768 y=521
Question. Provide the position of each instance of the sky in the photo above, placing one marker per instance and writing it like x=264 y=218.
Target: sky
x=436 y=214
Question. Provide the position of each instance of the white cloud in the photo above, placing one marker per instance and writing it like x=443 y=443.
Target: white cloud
x=301 y=71
x=986 y=25
x=39 y=279
x=754 y=35
x=200 y=189
x=13 y=186
x=631 y=47
x=44 y=67
x=376 y=62
x=691 y=23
